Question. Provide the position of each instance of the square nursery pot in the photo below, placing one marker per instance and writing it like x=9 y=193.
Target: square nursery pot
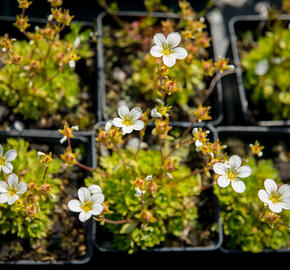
x=239 y=138
x=215 y=100
x=102 y=239
x=85 y=69
x=50 y=139
x=250 y=114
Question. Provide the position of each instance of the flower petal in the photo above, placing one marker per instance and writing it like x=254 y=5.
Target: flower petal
x=235 y=162
x=286 y=203
x=3 y=186
x=285 y=190
x=109 y=125
x=180 y=53
x=123 y=111
x=244 y=171
x=10 y=155
x=223 y=181
x=22 y=187
x=270 y=185
x=263 y=196
x=219 y=168
x=173 y=39
x=7 y=168
x=169 y=60
x=4 y=197
x=156 y=51
x=98 y=198
x=63 y=139
x=95 y=189
x=127 y=129
x=83 y=216
x=138 y=125
x=135 y=113
x=12 y=180
x=159 y=39
x=1 y=150
x=74 y=205
x=84 y=194
x=238 y=186
x=12 y=199
x=275 y=207
x=117 y=122
x=97 y=209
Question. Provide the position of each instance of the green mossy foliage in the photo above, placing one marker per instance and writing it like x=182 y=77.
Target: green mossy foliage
x=241 y=213
x=273 y=88
x=13 y=218
x=46 y=90
x=172 y=208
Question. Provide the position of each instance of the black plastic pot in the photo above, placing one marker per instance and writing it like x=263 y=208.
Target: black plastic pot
x=215 y=99
x=219 y=235
x=268 y=137
x=52 y=138
x=238 y=24
x=88 y=77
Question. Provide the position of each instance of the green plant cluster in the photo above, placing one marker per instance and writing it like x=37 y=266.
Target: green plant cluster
x=39 y=84
x=14 y=219
x=270 y=89
x=132 y=72
x=168 y=212
x=241 y=214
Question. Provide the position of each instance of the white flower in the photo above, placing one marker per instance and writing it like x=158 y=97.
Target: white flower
x=10 y=192
x=198 y=144
x=167 y=48
x=95 y=189
x=72 y=63
x=139 y=192
x=230 y=172
x=5 y=161
x=108 y=125
x=155 y=113
x=77 y=42
x=128 y=121
x=261 y=68
x=50 y=17
x=275 y=198
x=88 y=204
x=148 y=178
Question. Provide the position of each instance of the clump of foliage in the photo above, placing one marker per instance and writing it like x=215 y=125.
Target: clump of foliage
x=29 y=217
x=37 y=74
x=244 y=223
x=166 y=208
x=132 y=73
x=267 y=66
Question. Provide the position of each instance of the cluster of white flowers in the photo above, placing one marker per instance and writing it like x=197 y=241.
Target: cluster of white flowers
x=273 y=197
x=89 y=203
x=10 y=190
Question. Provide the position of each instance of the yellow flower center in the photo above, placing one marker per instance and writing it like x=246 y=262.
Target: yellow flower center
x=12 y=191
x=166 y=50
x=231 y=175
x=2 y=161
x=275 y=197
x=87 y=206
x=127 y=121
